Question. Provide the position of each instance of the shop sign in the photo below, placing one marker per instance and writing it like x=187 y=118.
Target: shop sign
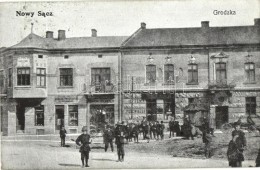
x=23 y=62
x=100 y=100
x=66 y=98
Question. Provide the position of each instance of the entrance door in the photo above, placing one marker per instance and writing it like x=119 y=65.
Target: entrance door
x=20 y=119
x=221 y=116
x=59 y=116
x=151 y=108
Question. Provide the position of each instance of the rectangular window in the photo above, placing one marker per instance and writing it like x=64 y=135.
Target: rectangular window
x=73 y=115
x=193 y=73
x=39 y=115
x=168 y=73
x=150 y=74
x=190 y=100
x=100 y=76
x=41 y=76
x=66 y=77
x=2 y=78
x=23 y=76
x=250 y=105
x=250 y=72
x=10 y=77
x=221 y=73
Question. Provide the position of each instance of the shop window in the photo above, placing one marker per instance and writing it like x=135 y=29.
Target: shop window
x=39 y=115
x=66 y=77
x=73 y=115
x=10 y=77
x=221 y=72
x=250 y=72
x=168 y=73
x=193 y=73
x=41 y=77
x=150 y=74
x=250 y=105
x=23 y=76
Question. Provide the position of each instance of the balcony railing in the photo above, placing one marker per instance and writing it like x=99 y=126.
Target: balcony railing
x=223 y=83
x=106 y=87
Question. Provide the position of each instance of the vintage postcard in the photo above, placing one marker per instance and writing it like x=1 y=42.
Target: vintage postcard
x=130 y=84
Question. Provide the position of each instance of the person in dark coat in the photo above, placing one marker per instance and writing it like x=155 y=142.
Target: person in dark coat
x=236 y=147
x=83 y=141
x=153 y=130
x=187 y=128
x=176 y=128
x=162 y=127
x=63 y=133
x=171 y=127
x=135 y=132
x=208 y=144
x=120 y=134
x=257 y=161
x=108 y=139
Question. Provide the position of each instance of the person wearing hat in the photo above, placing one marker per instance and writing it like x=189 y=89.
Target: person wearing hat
x=83 y=141
x=63 y=133
x=120 y=134
x=108 y=138
x=238 y=143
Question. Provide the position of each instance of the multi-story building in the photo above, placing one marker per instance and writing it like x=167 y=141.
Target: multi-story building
x=156 y=73
x=52 y=82
x=208 y=71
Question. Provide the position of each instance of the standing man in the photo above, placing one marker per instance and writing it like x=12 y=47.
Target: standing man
x=120 y=134
x=162 y=127
x=108 y=138
x=187 y=128
x=83 y=141
x=63 y=133
x=171 y=125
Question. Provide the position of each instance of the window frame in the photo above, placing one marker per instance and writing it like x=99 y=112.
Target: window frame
x=250 y=71
x=3 y=79
x=75 y=115
x=252 y=105
x=40 y=75
x=169 y=72
x=66 y=80
x=220 y=70
x=23 y=76
x=193 y=71
x=10 y=77
x=102 y=72
x=148 y=71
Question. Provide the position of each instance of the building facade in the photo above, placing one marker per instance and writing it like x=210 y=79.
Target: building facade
x=211 y=72
x=52 y=82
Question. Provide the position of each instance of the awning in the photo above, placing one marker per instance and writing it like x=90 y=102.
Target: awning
x=194 y=107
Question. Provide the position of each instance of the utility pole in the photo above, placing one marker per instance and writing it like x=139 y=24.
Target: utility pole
x=132 y=96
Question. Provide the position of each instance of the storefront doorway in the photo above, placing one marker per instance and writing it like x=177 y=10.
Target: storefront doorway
x=101 y=115
x=151 y=108
x=221 y=116
x=59 y=116
x=20 y=119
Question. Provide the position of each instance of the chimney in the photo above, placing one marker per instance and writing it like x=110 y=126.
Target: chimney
x=93 y=33
x=257 y=21
x=49 y=34
x=61 y=35
x=143 y=25
x=204 y=24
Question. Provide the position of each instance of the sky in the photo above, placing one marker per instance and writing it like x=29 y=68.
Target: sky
x=118 y=18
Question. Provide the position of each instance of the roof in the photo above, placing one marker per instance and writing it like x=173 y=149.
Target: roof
x=35 y=41
x=195 y=36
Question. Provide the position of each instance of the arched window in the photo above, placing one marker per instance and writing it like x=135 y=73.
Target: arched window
x=168 y=73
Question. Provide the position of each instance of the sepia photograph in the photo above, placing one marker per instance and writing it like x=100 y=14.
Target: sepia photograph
x=120 y=84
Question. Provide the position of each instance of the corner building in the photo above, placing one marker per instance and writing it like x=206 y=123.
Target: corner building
x=52 y=82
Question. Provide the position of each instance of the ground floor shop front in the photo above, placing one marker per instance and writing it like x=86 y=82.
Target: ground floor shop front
x=46 y=115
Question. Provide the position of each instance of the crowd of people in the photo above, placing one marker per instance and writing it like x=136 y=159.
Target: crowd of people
x=124 y=132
